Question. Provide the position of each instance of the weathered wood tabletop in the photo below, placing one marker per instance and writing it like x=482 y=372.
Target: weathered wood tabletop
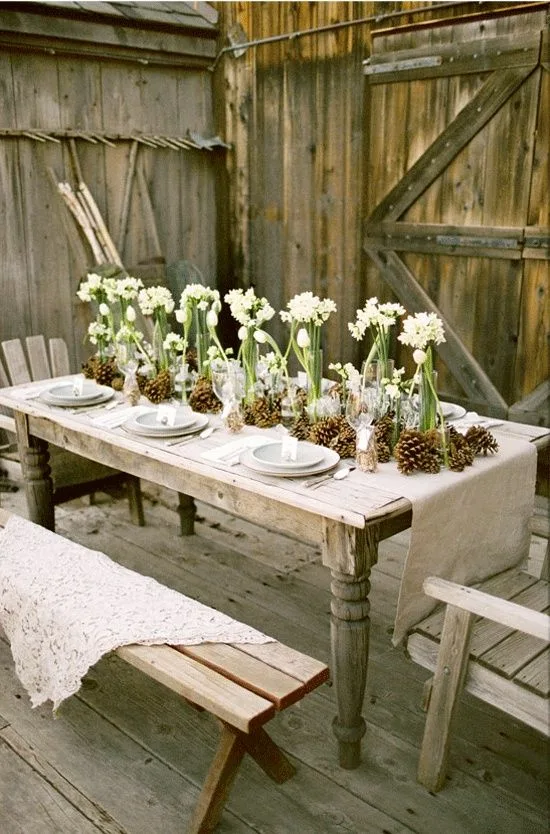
x=346 y=518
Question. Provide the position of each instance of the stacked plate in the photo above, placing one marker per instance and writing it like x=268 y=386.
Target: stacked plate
x=147 y=424
x=452 y=411
x=310 y=460
x=69 y=395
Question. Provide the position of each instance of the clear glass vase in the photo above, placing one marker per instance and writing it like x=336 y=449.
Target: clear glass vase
x=427 y=399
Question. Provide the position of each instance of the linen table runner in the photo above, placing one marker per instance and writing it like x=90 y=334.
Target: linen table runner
x=64 y=606
x=466 y=526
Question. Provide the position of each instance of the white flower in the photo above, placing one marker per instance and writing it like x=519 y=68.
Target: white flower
x=260 y=337
x=419 y=356
x=173 y=342
x=302 y=338
x=242 y=333
x=130 y=313
x=308 y=308
x=104 y=309
x=90 y=288
x=422 y=330
x=128 y=287
x=155 y=298
x=98 y=332
x=247 y=308
x=212 y=318
x=375 y=315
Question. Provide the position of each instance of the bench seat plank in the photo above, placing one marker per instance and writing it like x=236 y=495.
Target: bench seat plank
x=536 y=675
x=513 y=653
x=202 y=686
x=308 y=670
x=249 y=672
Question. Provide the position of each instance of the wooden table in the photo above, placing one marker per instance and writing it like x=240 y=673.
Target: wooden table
x=348 y=531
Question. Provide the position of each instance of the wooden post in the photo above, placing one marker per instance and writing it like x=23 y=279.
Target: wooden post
x=35 y=457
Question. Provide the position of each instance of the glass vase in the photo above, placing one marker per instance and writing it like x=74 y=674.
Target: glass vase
x=314 y=381
x=427 y=400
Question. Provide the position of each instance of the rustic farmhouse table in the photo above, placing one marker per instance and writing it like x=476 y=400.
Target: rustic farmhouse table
x=346 y=519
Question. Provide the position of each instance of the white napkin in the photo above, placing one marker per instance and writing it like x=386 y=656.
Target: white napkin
x=113 y=419
x=472 y=418
x=231 y=450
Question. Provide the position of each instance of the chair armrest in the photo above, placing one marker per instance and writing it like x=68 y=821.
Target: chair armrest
x=486 y=605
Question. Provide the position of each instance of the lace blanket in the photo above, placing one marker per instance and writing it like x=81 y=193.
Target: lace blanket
x=64 y=606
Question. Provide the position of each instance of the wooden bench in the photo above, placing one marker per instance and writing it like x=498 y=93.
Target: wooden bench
x=493 y=641
x=243 y=686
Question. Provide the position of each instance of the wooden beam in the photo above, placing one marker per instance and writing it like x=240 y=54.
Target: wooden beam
x=446 y=239
x=488 y=100
x=458 y=359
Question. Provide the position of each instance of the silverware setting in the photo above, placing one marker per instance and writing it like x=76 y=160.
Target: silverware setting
x=319 y=480
x=201 y=436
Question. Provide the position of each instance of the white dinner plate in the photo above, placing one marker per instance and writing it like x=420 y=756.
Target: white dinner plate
x=329 y=461
x=452 y=411
x=199 y=423
x=63 y=395
x=269 y=455
x=149 y=420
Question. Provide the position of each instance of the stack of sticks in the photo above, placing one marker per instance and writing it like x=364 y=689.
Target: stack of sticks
x=84 y=209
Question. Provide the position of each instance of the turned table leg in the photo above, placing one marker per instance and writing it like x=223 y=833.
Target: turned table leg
x=35 y=456
x=350 y=625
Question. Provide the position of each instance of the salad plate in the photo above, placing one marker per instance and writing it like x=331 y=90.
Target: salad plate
x=452 y=411
x=198 y=423
x=329 y=460
x=68 y=395
x=270 y=455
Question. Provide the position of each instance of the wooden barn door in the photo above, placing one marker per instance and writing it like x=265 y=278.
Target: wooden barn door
x=457 y=194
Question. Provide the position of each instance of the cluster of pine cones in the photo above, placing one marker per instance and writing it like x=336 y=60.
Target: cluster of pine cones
x=104 y=373
x=422 y=451
x=202 y=398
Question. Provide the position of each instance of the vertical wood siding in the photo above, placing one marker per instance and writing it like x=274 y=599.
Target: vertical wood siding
x=321 y=153
x=172 y=209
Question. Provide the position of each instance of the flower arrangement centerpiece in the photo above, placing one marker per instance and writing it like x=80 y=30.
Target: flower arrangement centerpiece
x=99 y=290
x=306 y=313
x=378 y=319
x=157 y=303
x=251 y=312
x=196 y=301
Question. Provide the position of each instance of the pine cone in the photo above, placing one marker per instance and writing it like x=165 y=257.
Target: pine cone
x=324 y=431
x=383 y=433
x=142 y=381
x=89 y=367
x=412 y=452
x=481 y=440
x=301 y=428
x=118 y=383
x=105 y=372
x=160 y=388
x=202 y=398
x=460 y=452
x=263 y=412
x=191 y=358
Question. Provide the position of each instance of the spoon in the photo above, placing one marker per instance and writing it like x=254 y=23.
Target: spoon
x=339 y=475
x=202 y=436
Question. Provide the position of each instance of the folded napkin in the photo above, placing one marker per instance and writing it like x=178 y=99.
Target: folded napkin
x=113 y=419
x=231 y=450
x=472 y=418
x=64 y=606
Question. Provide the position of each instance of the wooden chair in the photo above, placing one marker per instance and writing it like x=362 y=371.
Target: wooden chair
x=73 y=476
x=492 y=640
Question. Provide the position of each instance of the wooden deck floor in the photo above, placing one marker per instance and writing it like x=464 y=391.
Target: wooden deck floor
x=124 y=755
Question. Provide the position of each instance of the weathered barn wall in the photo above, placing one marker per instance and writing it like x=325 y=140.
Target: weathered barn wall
x=59 y=74
x=315 y=149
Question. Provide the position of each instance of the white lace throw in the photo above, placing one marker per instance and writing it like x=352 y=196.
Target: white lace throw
x=64 y=606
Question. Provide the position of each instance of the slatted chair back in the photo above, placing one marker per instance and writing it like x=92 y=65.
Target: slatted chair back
x=59 y=357
x=39 y=361
x=16 y=362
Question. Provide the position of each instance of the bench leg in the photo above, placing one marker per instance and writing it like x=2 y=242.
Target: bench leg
x=448 y=682
x=231 y=749
x=187 y=512
x=218 y=782
x=135 y=500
